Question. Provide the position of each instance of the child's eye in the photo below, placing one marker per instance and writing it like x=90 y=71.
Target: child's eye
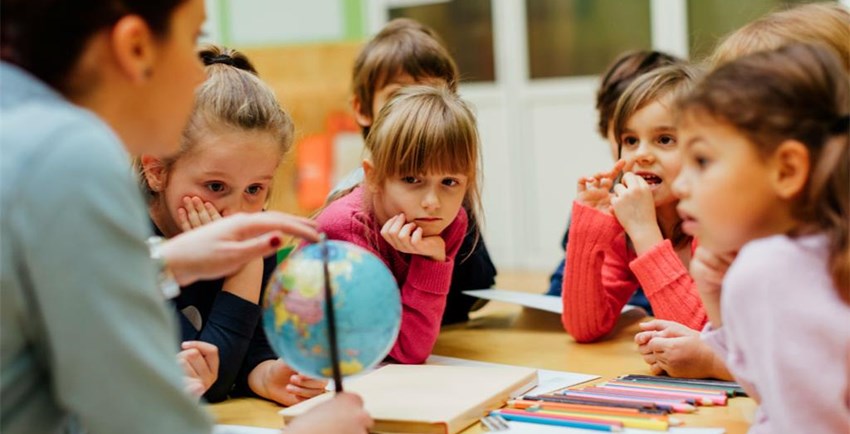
x=630 y=141
x=450 y=182
x=410 y=179
x=701 y=162
x=254 y=189
x=667 y=140
x=215 y=187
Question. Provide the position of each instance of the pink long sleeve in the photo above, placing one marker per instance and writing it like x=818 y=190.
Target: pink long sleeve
x=424 y=282
x=601 y=274
x=786 y=335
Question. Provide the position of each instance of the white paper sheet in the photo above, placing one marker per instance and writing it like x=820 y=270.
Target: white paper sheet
x=241 y=429
x=544 y=302
x=548 y=381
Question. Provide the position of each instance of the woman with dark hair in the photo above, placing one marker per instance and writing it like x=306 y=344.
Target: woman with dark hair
x=87 y=342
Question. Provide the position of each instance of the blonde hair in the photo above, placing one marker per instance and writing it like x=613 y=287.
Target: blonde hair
x=667 y=82
x=426 y=129
x=232 y=96
x=824 y=23
x=797 y=92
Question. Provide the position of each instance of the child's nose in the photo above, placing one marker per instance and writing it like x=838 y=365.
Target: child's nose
x=644 y=153
x=431 y=200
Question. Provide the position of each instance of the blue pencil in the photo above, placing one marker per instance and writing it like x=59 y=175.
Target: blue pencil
x=557 y=422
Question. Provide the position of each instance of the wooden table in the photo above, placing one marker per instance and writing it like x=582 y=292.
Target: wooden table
x=504 y=333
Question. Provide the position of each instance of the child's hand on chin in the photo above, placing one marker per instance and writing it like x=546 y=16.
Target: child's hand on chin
x=195 y=213
x=407 y=238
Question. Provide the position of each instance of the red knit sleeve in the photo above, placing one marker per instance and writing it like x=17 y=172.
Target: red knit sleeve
x=597 y=280
x=423 y=298
x=668 y=286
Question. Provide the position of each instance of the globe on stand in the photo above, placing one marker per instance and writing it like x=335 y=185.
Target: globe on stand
x=366 y=302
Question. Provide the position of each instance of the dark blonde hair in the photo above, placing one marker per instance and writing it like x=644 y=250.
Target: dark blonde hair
x=426 y=129
x=403 y=46
x=669 y=83
x=797 y=92
x=622 y=72
x=825 y=23
x=232 y=96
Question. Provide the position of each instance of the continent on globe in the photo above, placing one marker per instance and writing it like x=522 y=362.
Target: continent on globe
x=366 y=302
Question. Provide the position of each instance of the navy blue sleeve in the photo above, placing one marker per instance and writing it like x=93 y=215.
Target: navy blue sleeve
x=473 y=269
x=259 y=349
x=556 y=280
x=229 y=326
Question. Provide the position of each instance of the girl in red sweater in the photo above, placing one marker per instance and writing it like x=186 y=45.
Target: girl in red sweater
x=421 y=166
x=627 y=234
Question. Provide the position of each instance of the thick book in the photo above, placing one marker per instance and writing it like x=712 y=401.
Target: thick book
x=430 y=399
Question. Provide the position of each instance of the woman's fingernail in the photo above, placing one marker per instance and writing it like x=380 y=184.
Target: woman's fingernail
x=275 y=242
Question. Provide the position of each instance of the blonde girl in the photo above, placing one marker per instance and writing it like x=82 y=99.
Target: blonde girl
x=767 y=174
x=421 y=166
x=627 y=234
x=231 y=149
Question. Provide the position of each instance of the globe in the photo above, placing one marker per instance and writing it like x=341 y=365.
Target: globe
x=366 y=302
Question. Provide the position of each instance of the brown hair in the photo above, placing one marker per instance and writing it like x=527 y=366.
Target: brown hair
x=48 y=37
x=403 y=46
x=797 y=92
x=619 y=75
x=824 y=23
x=668 y=82
x=232 y=96
x=426 y=129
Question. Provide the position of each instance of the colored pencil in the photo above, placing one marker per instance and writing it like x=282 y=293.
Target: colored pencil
x=628 y=422
x=690 y=398
x=715 y=398
x=523 y=404
x=659 y=403
x=729 y=386
x=644 y=408
x=524 y=416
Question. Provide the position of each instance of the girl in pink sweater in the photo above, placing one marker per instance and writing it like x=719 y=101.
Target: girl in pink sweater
x=421 y=166
x=766 y=142
x=629 y=236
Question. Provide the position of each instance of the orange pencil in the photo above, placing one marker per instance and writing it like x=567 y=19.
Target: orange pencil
x=614 y=411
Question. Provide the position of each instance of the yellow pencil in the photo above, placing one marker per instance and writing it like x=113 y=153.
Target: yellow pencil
x=628 y=422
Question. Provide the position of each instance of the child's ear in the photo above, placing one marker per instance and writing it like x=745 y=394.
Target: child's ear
x=791 y=168
x=369 y=175
x=154 y=172
x=362 y=120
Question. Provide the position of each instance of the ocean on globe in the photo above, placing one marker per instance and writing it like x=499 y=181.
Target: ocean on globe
x=366 y=301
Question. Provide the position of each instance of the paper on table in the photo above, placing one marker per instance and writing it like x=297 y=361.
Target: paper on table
x=534 y=428
x=536 y=301
x=548 y=381
x=241 y=429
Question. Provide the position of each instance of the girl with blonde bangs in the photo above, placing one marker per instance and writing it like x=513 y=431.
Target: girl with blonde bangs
x=230 y=151
x=421 y=167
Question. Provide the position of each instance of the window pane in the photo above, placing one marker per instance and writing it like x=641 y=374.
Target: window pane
x=710 y=21
x=581 y=37
x=467 y=29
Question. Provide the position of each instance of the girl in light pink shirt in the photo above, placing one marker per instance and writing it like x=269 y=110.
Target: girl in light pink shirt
x=421 y=166
x=767 y=175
